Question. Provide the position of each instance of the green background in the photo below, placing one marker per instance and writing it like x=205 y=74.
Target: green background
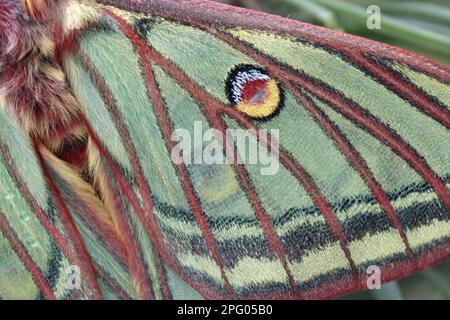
x=419 y=26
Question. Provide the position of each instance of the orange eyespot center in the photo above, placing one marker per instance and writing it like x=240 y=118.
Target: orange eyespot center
x=252 y=91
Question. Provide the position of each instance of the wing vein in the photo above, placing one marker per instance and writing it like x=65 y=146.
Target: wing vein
x=69 y=252
x=305 y=179
x=357 y=161
x=75 y=235
x=146 y=215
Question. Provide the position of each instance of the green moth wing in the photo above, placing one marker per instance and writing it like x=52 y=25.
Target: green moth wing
x=352 y=137
x=53 y=245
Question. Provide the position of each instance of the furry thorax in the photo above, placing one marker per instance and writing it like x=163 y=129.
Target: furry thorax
x=34 y=36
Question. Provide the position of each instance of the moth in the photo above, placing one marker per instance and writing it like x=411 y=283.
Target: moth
x=94 y=206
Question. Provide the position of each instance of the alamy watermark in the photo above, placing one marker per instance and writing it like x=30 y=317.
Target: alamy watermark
x=213 y=147
x=374 y=17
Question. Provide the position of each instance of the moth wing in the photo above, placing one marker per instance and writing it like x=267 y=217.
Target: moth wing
x=356 y=181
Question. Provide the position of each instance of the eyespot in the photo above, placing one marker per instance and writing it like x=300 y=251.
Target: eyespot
x=254 y=92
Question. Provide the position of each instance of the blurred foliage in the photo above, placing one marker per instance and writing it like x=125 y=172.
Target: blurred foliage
x=420 y=26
